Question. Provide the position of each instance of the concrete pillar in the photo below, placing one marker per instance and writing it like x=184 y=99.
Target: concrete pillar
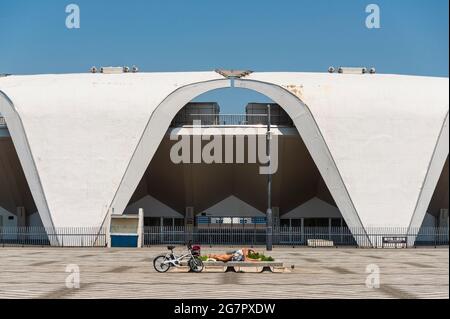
x=161 y=230
x=276 y=216
x=21 y=217
x=444 y=222
x=302 y=228
x=443 y=218
x=290 y=230
x=189 y=222
x=141 y=228
x=108 y=227
x=329 y=228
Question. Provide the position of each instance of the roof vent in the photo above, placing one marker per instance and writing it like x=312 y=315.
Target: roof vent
x=353 y=70
x=111 y=69
x=114 y=69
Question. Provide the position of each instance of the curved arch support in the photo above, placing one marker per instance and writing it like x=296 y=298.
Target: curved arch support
x=154 y=133
x=437 y=163
x=317 y=147
x=296 y=109
x=20 y=141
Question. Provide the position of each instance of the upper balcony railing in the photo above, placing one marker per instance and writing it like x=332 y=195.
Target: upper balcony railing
x=230 y=120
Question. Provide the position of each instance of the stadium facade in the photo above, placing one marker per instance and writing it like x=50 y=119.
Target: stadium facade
x=364 y=150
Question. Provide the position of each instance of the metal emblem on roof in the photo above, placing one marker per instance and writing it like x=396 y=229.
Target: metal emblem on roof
x=233 y=74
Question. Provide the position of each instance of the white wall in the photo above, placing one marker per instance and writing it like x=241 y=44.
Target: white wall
x=82 y=130
x=381 y=131
x=5 y=217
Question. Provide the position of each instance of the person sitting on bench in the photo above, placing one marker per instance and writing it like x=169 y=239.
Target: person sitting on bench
x=235 y=255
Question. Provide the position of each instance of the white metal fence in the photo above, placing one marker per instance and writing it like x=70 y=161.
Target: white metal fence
x=59 y=237
x=299 y=236
x=231 y=119
x=225 y=235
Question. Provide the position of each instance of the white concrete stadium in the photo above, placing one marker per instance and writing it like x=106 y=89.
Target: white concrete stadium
x=370 y=150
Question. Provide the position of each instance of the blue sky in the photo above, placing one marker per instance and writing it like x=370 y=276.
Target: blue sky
x=191 y=35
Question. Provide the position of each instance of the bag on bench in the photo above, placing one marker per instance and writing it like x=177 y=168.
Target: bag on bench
x=238 y=255
x=196 y=251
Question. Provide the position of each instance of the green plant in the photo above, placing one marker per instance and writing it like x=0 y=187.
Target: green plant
x=259 y=256
x=269 y=258
x=254 y=255
x=203 y=258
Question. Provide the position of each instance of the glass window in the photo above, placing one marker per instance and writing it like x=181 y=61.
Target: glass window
x=226 y=220
x=179 y=222
x=297 y=222
x=167 y=222
x=236 y=220
x=152 y=221
x=336 y=222
x=284 y=222
x=316 y=222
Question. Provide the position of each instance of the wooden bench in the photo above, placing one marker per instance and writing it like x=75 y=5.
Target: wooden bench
x=231 y=266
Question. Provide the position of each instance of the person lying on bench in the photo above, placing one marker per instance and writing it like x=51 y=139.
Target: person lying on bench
x=235 y=255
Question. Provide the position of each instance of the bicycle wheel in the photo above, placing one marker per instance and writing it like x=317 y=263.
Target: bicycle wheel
x=159 y=264
x=196 y=264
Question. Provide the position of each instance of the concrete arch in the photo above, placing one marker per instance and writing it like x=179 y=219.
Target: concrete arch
x=21 y=144
x=296 y=109
x=435 y=167
x=312 y=137
x=153 y=134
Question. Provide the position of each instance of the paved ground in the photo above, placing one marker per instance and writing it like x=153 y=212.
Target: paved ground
x=318 y=273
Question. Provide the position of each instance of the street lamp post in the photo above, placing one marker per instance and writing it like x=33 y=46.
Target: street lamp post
x=269 y=221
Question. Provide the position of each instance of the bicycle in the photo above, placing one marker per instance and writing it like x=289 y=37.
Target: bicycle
x=162 y=263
